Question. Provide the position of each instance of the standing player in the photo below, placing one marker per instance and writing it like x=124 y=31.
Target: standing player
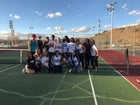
x=87 y=53
x=94 y=55
x=58 y=45
x=71 y=46
x=80 y=49
x=51 y=49
x=40 y=44
x=46 y=44
x=65 y=43
x=32 y=44
x=51 y=43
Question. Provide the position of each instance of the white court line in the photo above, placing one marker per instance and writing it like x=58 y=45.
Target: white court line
x=92 y=87
x=57 y=89
x=53 y=98
x=121 y=75
x=9 y=68
x=126 y=79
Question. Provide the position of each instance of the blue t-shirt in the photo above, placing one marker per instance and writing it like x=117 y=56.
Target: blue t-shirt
x=33 y=46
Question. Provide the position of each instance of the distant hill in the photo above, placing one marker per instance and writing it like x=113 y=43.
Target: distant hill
x=124 y=36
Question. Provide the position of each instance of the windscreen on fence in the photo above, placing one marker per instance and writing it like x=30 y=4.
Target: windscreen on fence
x=122 y=60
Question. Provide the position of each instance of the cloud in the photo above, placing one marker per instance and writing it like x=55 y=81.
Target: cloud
x=134 y=12
x=10 y=15
x=59 y=28
x=60 y=32
x=54 y=15
x=48 y=28
x=17 y=17
x=14 y=16
x=80 y=29
x=38 y=13
x=107 y=26
x=124 y=7
x=126 y=25
x=4 y=32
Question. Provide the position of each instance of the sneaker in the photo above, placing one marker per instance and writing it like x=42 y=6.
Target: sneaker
x=138 y=81
x=70 y=70
x=23 y=71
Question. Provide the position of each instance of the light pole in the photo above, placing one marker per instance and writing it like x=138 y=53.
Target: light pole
x=31 y=28
x=134 y=39
x=93 y=27
x=111 y=10
x=12 y=31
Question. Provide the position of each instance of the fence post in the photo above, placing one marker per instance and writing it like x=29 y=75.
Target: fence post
x=20 y=56
x=127 y=61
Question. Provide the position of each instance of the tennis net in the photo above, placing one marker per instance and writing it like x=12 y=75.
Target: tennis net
x=12 y=56
x=122 y=61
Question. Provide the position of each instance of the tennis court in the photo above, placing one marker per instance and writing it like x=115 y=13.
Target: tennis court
x=102 y=87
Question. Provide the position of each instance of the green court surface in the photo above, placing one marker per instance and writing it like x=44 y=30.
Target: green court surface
x=102 y=87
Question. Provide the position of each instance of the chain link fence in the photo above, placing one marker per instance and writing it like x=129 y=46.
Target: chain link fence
x=122 y=38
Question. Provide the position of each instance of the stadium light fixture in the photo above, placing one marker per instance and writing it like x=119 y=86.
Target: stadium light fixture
x=31 y=28
x=111 y=10
x=10 y=24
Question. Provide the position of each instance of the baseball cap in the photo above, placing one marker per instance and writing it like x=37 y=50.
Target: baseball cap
x=33 y=35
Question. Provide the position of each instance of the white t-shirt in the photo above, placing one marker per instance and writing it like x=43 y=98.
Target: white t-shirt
x=80 y=48
x=51 y=46
x=93 y=50
x=65 y=46
x=45 y=60
x=37 y=60
x=57 y=60
x=75 y=60
x=59 y=47
x=71 y=47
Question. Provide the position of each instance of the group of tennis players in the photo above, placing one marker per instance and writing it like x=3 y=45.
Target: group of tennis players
x=56 y=55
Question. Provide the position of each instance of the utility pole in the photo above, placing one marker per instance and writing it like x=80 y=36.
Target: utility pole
x=134 y=39
x=93 y=27
x=111 y=10
x=99 y=25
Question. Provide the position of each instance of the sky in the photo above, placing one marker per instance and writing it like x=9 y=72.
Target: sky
x=66 y=16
